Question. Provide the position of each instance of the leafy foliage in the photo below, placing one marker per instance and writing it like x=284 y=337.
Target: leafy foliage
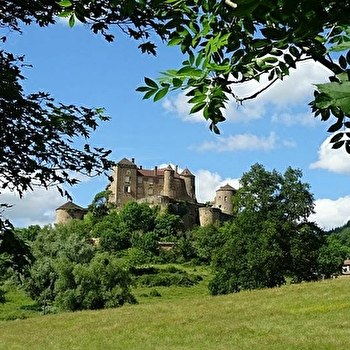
x=270 y=237
x=38 y=135
x=15 y=254
x=225 y=43
x=71 y=274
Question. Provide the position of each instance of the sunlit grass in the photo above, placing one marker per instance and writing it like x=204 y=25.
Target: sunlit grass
x=17 y=305
x=305 y=316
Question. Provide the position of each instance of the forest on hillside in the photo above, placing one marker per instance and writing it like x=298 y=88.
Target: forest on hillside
x=95 y=262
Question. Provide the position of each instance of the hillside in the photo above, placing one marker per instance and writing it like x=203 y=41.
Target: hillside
x=304 y=316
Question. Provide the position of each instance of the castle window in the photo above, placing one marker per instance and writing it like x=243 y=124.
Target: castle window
x=150 y=191
x=225 y=198
x=150 y=181
x=127 y=189
x=139 y=179
x=127 y=179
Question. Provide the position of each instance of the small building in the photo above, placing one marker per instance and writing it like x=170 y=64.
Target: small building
x=69 y=211
x=346 y=267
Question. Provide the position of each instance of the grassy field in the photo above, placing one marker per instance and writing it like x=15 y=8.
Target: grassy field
x=305 y=316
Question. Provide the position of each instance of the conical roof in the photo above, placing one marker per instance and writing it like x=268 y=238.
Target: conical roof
x=69 y=206
x=125 y=161
x=186 y=172
x=227 y=187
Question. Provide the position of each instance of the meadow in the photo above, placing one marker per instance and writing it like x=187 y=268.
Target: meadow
x=300 y=316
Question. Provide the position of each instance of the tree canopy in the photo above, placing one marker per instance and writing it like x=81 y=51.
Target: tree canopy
x=227 y=43
x=224 y=43
x=271 y=237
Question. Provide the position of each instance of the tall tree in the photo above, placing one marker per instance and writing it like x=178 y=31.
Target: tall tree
x=270 y=237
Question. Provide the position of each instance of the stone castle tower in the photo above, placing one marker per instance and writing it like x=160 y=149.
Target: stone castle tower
x=69 y=211
x=154 y=186
x=223 y=199
x=221 y=209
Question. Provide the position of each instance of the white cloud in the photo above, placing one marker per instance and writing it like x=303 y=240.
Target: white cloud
x=37 y=207
x=244 y=113
x=331 y=213
x=298 y=86
x=336 y=160
x=289 y=119
x=239 y=142
x=207 y=183
x=180 y=106
x=289 y=143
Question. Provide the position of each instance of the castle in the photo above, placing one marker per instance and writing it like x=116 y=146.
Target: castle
x=156 y=186
x=162 y=187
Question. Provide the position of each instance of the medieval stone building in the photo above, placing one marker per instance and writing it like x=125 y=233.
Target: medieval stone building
x=69 y=211
x=163 y=187
x=155 y=186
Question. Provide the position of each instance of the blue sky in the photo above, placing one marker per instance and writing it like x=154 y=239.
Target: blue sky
x=276 y=130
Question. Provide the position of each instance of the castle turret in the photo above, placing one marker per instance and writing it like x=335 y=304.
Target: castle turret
x=189 y=180
x=69 y=211
x=123 y=186
x=223 y=199
x=169 y=182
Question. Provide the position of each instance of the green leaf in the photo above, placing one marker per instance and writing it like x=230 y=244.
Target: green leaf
x=336 y=137
x=294 y=51
x=175 y=41
x=197 y=98
x=335 y=127
x=189 y=71
x=149 y=94
x=342 y=62
x=289 y=60
x=161 y=93
x=197 y=107
x=65 y=13
x=336 y=94
x=143 y=89
x=71 y=20
x=65 y=3
x=151 y=83
x=177 y=83
x=341 y=47
x=338 y=144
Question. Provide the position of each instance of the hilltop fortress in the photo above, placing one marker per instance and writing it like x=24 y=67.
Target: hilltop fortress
x=162 y=187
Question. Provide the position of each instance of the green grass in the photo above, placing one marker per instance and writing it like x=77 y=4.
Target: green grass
x=17 y=306
x=305 y=316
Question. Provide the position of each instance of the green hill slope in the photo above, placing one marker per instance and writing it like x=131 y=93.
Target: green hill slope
x=306 y=316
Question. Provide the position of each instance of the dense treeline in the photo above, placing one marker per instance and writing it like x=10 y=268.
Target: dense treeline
x=95 y=262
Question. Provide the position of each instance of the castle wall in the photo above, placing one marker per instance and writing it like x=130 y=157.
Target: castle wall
x=148 y=187
x=208 y=215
